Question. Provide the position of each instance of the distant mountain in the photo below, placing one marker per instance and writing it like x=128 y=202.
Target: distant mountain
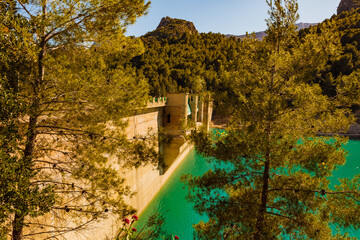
x=171 y=27
x=347 y=5
x=262 y=34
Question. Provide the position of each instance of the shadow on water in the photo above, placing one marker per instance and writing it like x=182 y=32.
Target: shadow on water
x=171 y=202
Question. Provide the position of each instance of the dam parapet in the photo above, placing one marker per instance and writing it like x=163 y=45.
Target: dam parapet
x=157 y=102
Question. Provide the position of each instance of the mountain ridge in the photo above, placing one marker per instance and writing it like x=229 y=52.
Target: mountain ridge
x=260 y=35
x=173 y=27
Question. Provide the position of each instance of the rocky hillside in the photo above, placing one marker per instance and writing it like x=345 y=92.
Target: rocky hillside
x=174 y=28
x=171 y=27
x=347 y=5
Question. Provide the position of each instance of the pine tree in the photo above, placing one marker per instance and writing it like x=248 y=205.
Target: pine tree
x=270 y=179
x=57 y=61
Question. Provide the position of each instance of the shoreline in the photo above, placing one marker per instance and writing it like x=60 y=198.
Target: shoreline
x=353 y=132
x=349 y=135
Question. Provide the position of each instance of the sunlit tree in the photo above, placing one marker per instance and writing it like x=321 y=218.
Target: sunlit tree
x=272 y=167
x=57 y=64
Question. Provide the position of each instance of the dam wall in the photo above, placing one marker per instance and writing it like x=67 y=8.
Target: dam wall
x=168 y=115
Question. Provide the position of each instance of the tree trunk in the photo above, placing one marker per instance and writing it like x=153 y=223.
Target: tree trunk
x=260 y=220
x=264 y=197
x=18 y=224
x=31 y=134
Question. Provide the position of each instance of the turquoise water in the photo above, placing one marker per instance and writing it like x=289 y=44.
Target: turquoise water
x=352 y=166
x=179 y=213
x=171 y=202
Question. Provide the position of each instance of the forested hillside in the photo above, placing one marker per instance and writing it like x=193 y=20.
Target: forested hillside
x=346 y=63
x=187 y=63
x=346 y=26
x=178 y=59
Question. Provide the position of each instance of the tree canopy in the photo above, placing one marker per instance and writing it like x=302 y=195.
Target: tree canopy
x=63 y=104
x=186 y=63
x=270 y=180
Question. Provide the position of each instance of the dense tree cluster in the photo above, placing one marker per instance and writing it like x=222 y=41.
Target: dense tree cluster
x=345 y=26
x=189 y=63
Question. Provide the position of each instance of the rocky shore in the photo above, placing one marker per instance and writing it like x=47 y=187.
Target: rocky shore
x=219 y=121
x=352 y=133
x=222 y=121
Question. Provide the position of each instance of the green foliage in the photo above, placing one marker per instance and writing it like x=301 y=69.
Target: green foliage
x=63 y=105
x=272 y=167
x=177 y=61
x=343 y=66
x=187 y=63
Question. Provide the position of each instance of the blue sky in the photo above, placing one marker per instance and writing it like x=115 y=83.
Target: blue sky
x=226 y=16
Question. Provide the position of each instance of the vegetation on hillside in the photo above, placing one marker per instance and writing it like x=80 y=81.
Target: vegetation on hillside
x=345 y=26
x=182 y=61
x=189 y=63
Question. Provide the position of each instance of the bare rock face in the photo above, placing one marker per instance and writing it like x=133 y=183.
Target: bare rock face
x=164 y=22
x=347 y=5
x=172 y=27
x=184 y=25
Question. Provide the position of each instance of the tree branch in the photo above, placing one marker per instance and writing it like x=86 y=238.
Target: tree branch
x=61 y=232
x=87 y=14
x=279 y=215
x=26 y=10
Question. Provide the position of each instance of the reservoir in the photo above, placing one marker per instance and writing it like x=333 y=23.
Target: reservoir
x=179 y=214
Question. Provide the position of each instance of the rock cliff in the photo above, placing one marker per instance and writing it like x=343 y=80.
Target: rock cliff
x=347 y=5
x=172 y=27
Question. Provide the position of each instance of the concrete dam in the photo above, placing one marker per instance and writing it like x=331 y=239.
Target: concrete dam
x=169 y=114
